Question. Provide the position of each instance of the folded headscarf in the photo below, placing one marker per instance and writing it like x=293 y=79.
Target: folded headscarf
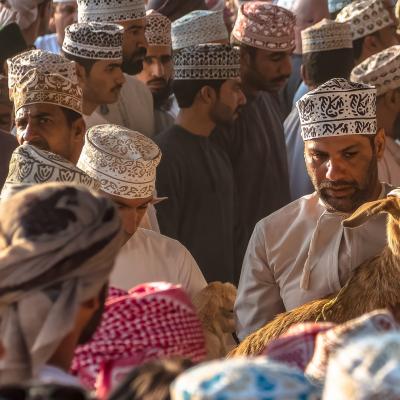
x=153 y=320
x=27 y=11
x=365 y=369
x=174 y=9
x=57 y=248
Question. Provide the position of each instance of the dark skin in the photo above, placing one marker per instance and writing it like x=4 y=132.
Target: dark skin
x=344 y=169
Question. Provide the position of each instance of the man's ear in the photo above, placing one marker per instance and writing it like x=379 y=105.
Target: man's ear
x=92 y=304
x=371 y=44
x=81 y=72
x=79 y=129
x=207 y=94
x=304 y=75
x=244 y=58
x=380 y=141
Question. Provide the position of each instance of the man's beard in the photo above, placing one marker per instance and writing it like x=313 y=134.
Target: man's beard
x=95 y=321
x=134 y=64
x=362 y=192
x=162 y=95
x=254 y=79
x=222 y=115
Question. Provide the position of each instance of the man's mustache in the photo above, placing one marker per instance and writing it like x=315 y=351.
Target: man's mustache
x=140 y=53
x=340 y=184
x=281 y=78
x=157 y=81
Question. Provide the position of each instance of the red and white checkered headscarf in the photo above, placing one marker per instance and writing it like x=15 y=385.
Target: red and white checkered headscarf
x=153 y=320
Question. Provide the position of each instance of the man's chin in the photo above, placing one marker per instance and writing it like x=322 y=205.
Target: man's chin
x=132 y=67
x=345 y=205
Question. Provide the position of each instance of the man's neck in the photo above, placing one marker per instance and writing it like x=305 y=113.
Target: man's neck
x=195 y=122
x=88 y=107
x=62 y=358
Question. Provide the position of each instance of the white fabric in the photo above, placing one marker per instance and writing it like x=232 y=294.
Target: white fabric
x=94 y=119
x=151 y=257
x=284 y=242
x=49 y=374
x=389 y=165
x=134 y=109
x=27 y=11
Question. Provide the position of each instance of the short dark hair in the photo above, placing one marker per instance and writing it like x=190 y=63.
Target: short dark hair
x=152 y=380
x=186 y=90
x=358 y=44
x=70 y=115
x=86 y=63
x=324 y=65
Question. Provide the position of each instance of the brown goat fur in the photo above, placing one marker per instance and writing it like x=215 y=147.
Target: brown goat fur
x=374 y=284
x=214 y=305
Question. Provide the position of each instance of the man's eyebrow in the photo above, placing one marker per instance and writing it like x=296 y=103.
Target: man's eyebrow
x=135 y=27
x=351 y=147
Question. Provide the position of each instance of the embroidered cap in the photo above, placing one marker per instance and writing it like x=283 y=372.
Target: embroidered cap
x=207 y=61
x=158 y=29
x=365 y=17
x=243 y=378
x=122 y=160
x=338 y=107
x=381 y=70
x=326 y=35
x=110 y=10
x=36 y=87
x=94 y=40
x=44 y=61
x=199 y=27
x=265 y=26
x=30 y=166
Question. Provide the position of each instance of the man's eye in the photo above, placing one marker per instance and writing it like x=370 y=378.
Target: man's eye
x=143 y=207
x=165 y=59
x=349 y=154
x=148 y=60
x=43 y=120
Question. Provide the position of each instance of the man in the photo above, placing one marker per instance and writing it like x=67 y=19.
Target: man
x=158 y=69
x=195 y=174
x=47 y=103
x=199 y=27
x=302 y=252
x=125 y=163
x=32 y=16
x=7 y=141
x=307 y=12
x=134 y=109
x=175 y=9
x=381 y=71
x=255 y=144
x=372 y=26
x=323 y=44
x=97 y=50
x=58 y=244
x=65 y=14
x=12 y=43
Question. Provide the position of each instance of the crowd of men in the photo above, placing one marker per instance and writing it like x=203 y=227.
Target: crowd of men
x=151 y=148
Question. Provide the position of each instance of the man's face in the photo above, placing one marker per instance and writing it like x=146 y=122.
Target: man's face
x=228 y=102
x=134 y=45
x=267 y=70
x=104 y=82
x=131 y=212
x=64 y=14
x=343 y=170
x=387 y=37
x=157 y=72
x=46 y=127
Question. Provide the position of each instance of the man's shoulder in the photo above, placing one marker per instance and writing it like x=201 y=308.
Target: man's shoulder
x=133 y=84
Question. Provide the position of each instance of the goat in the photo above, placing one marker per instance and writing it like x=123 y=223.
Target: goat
x=374 y=284
x=214 y=305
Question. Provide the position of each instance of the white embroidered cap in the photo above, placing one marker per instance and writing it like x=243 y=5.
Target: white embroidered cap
x=265 y=26
x=199 y=27
x=207 y=61
x=326 y=35
x=338 y=107
x=44 y=61
x=30 y=166
x=110 y=10
x=365 y=17
x=381 y=70
x=158 y=29
x=94 y=40
x=122 y=160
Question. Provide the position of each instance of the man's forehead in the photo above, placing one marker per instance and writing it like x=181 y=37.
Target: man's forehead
x=133 y=23
x=334 y=143
x=130 y=202
x=159 y=51
x=35 y=109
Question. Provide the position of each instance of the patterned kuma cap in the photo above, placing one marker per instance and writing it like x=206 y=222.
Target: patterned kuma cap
x=381 y=70
x=326 y=35
x=207 y=61
x=199 y=27
x=338 y=107
x=122 y=160
x=265 y=26
x=158 y=29
x=30 y=166
x=40 y=88
x=365 y=17
x=44 y=61
x=94 y=40
x=243 y=378
x=110 y=10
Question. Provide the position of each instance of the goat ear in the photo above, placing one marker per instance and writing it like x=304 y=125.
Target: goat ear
x=367 y=210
